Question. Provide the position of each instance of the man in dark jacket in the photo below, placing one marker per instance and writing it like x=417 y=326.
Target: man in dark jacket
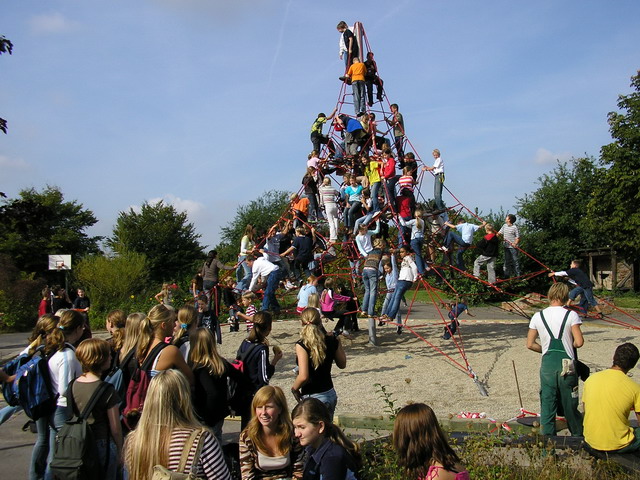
x=488 y=248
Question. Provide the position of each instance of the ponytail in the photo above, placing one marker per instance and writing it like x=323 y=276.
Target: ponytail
x=44 y=326
x=312 y=336
x=118 y=319
x=186 y=317
x=70 y=320
x=149 y=325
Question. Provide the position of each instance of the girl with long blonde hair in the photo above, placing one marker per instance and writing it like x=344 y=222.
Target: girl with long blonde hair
x=166 y=428
x=268 y=448
x=316 y=352
x=186 y=324
x=154 y=328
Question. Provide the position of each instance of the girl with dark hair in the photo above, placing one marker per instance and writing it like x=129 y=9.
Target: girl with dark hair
x=211 y=373
x=330 y=454
x=422 y=446
x=254 y=352
x=210 y=277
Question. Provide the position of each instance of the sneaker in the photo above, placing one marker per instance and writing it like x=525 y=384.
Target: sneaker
x=380 y=323
x=399 y=330
x=444 y=249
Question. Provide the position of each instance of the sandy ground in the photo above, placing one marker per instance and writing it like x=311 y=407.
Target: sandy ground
x=415 y=371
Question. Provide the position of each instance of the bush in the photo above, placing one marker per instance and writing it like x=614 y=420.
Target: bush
x=19 y=297
x=114 y=282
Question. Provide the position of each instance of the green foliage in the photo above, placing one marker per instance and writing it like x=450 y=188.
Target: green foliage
x=111 y=281
x=552 y=229
x=19 y=297
x=5 y=47
x=163 y=235
x=492 y=457
x=262 y=213
x=613 y=212
x=41 y=223
x=388 y=400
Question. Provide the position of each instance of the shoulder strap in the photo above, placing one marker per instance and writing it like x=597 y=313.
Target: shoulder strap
x=146 y=364
x=93 y=400
x=127 y=357
x=564 y=322
x=194 y=438
x=544 y=322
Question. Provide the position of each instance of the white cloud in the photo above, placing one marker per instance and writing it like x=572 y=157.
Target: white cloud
x=545 y=157
x=52 y=23
x=12 y=163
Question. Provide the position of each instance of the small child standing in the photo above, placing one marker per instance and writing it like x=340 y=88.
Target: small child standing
x=250 y=310
x=455 y=310
x=229 y=299
x=94 y=355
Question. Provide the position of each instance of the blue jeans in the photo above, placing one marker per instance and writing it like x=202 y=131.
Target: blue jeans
x=7 y=412
x=386 y=304
x=354 y=213
x=59 y=417
x=416 y=246
x=391 y=190
x=329 y=398
x=40 y=450
x=438 y=183
x=243 y=271
x=111 y=465
x=454 y=237
x=586 y=298
x=366 y=219
x=511 y=262
x=375 y=204
x=401 y=287
x=359 y=93
x=370 y=282
x=270 y=302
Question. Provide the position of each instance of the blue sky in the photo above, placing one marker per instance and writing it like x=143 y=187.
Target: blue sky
x=207 y=103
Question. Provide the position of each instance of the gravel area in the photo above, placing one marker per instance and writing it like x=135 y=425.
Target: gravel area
x=413 y=366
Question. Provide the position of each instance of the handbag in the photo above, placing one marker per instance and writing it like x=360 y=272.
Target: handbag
x=160 y=472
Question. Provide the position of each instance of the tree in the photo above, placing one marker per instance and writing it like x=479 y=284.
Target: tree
x=19 y=296
x=41 y=223
x=262 y=213
x=163 y=235
x=613 y=211
x=552 y=228
x=5 y=47
x=111 y=281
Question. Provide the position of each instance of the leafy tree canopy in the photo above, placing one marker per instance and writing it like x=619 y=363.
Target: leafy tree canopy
x=163 y=235
x=552 y=215
x=38 y=224
x=5 y=47
x=613 y=212
x=262 y=213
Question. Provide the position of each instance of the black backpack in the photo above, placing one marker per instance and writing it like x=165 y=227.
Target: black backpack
x=75 y=454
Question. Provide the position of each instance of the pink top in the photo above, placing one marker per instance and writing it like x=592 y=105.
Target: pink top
x=329 y=298
x=433 y=471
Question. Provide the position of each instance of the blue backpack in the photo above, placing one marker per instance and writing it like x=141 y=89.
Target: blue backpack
x=31 y=388
x=116 y=376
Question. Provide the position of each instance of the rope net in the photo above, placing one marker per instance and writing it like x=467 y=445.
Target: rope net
x=340 y=259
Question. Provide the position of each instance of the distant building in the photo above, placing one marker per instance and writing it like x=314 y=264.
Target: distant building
x=608 y=272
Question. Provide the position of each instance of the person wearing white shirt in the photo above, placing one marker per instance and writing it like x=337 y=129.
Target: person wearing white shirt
x=263 y=268
x=438 y=178
x=407 y=275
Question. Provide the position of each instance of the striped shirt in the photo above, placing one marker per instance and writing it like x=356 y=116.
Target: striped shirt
x=328 y=195
x=251 y=311
x=210 y=464
x=510 y=233
x=406 y=181
x=251 y=468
